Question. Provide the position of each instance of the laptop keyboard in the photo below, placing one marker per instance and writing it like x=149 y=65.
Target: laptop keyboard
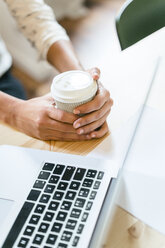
x=57 y=208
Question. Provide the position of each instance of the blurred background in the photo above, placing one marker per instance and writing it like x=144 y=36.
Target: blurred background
x=91 y=27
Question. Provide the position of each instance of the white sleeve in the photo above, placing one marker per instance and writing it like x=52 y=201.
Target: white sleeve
x=38 y=23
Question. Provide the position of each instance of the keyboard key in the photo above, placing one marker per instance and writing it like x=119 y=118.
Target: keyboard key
x=62 y=186
x=44 y=198
x=80 y=228
x=44 y=175
x=34 y=219
x=48 y=216
x=18 y=224
x=92 y=195
x=61 y=216
x=51 y=239
x=97 y=185
x=53 y=205
x=75 y=241
x=79 y=203
x=68 y=173
x=61 y=245
x=84 y=217
x=43 y=227
x=87 y=183
x=71 y=224
x=54 y=179
x=38 y=239
x=56 y=227
x=66 y=236
x=100 y=175
x=59 y=169
x=49 y=188
x=58 y=195
x=33 y=195
x=70 y=195
x=39 y=209
x=79 y=174
x=74 y=185
x=48 y=166
x=23 y=242
x=66 y=205
x=83 y=192
x=91 y=173
x=29 y=230
x=39 y=184
x=75 y=213
x=89 y=205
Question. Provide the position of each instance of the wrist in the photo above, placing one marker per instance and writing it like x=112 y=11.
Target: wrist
x=13 y=118
x=63 y=57
x=9 y=108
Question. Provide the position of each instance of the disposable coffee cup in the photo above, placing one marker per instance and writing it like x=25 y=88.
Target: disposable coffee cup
x=73 y=88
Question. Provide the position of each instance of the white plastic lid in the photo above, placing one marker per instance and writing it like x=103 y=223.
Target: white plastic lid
x=73 y=86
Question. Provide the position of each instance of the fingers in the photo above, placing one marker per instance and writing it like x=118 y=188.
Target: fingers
x=100 y=132
x=64 y=136
x=102 y=96
x=59 y=126
x=54 y=130
x=92 y=126
x=94 y=116
x=60 y=115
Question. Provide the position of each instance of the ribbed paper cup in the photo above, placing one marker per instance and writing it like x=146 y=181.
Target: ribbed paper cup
x=73 y=88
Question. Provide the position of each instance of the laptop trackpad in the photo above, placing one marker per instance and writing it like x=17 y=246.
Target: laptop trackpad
x=5 y=207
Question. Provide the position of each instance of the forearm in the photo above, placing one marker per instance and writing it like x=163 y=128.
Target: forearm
x=37 y=21
x=7 y=108
x=63 y=57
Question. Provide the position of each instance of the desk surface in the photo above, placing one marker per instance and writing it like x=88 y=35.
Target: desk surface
x=127 y=85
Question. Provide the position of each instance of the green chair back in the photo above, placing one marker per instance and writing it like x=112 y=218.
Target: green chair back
x=138 y=19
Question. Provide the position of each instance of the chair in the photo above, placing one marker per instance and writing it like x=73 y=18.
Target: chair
x=138 y=19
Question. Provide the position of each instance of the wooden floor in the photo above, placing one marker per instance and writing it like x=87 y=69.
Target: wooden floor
x=94 y=39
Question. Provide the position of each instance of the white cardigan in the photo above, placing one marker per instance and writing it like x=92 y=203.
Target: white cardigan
x=37 y=22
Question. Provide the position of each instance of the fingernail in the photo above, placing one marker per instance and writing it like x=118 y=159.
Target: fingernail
x=95 y=76
x=77 y=125
x=88 y=136
x=93 y=135
x=81 y=131
x=76 y=111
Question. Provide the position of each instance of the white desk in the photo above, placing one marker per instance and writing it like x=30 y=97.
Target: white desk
x=129 y=76
x=142 y=189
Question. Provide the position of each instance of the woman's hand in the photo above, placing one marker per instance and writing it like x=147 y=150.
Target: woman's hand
x=39 y=118
x=93 y=123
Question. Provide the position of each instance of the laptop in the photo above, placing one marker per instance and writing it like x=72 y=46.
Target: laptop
x=58 y=200
x=50 y=199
